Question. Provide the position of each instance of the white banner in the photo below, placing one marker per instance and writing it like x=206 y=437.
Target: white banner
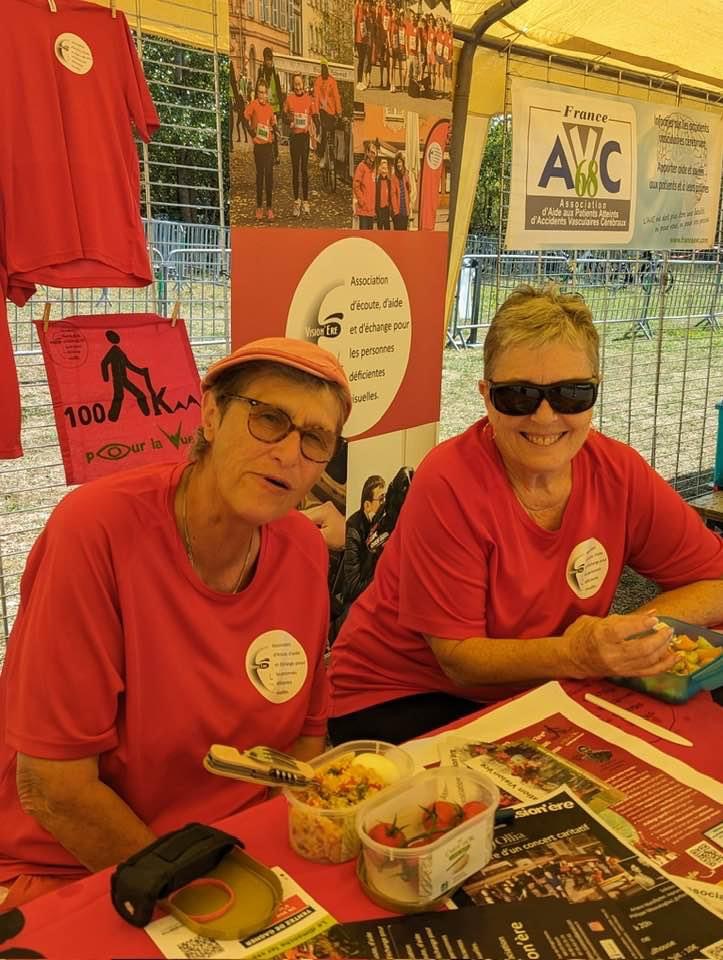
x=594 y=171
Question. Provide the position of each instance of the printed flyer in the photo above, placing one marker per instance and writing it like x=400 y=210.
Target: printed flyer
x=667 y=811
x=560 y=886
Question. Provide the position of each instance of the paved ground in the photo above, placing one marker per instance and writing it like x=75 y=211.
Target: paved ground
x=439 y=106
x=332 y=210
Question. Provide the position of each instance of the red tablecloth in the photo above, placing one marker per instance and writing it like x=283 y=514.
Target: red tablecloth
x=79 y=923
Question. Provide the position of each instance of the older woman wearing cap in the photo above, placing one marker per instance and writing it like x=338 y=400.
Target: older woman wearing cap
x=507 y=554
x=164 y=609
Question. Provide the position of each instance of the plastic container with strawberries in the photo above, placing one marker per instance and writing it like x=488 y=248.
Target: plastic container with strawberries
x=422 y=838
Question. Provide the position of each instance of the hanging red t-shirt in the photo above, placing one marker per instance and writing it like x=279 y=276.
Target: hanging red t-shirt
x=465 y=560
x=10 y=447
x=71 y=85
x=120 y=650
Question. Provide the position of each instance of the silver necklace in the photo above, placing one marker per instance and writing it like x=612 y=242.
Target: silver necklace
x=187 y=539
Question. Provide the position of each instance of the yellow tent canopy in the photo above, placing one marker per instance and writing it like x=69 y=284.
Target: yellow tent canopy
x=678 y=39
x=199 y=23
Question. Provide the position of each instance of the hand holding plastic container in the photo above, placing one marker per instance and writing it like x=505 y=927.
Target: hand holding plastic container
x=422 y=838
x=699 y=665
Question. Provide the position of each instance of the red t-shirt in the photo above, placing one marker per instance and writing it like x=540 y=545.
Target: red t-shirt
x=361 y=33
x=10 y=447
x=262 y=118
x=119 y=649
x=383 y=192
x=71 y=86
x=364 y=190
x=466 y=560
x=300 y=109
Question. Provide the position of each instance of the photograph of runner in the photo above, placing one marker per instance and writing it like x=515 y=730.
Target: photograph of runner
x=291 y=139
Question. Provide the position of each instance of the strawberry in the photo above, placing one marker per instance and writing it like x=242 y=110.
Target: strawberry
x=441 y=815
x=388 y=834
x=472 y=808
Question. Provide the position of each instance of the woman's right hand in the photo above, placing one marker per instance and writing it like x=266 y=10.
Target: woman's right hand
x=602 y=646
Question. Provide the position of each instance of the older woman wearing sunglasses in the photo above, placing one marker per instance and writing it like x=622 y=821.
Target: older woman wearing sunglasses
x=165 y=609
x=504 y=563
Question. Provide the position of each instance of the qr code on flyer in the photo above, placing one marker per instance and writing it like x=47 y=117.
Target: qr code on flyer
x=706 y=854
x=200 y=948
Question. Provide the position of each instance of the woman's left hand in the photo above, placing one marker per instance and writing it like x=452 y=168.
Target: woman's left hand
x=620 y=646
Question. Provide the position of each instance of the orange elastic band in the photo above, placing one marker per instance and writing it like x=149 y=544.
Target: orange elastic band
x=208 y=882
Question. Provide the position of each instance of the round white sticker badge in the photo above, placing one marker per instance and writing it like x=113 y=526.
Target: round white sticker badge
x=587 y=567
x=435 y=156
x=74 y=53
x=277 y=665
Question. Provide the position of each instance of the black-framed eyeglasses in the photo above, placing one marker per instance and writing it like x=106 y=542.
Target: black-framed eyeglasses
x=520 y=399
x=271 y=424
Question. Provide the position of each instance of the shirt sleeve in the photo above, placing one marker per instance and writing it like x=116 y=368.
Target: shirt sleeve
x=141 y=108
x=667 y=540
x=442 y=562
x=315 y=722
x=65 y=660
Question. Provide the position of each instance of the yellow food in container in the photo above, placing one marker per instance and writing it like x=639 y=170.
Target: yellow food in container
x=322 y=817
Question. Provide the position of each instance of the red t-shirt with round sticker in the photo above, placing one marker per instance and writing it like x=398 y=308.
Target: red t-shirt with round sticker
x=465 y=560
x=120 y=650
x=71 y=89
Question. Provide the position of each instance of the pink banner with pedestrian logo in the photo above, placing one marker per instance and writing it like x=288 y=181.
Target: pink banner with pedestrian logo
x=125 y=391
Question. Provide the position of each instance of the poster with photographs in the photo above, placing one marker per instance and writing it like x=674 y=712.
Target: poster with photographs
x=292 y=102
x=402 y=169
x=403 y=54
x=363 y=298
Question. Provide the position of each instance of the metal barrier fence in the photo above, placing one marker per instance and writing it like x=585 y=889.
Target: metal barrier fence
x=693 y=287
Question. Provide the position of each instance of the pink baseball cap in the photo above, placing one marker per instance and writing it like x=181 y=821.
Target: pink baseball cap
x=290 y=353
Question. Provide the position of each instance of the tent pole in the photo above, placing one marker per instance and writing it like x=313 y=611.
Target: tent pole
x=471 y=39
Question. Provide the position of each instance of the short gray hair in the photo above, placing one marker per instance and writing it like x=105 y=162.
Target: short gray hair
x=534 y=317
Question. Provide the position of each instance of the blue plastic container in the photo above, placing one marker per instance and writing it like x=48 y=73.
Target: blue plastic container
x=718 y=469
x=669 y=686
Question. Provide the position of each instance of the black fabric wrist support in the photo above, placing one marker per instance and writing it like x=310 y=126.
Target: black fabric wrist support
x=165 y=865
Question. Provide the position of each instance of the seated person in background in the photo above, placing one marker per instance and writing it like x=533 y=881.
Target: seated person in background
x=508 y=550
x=157 y=606
x=358 y=571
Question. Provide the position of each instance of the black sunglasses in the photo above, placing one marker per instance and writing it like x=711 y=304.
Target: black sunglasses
x=520 y=399
x=271 y=424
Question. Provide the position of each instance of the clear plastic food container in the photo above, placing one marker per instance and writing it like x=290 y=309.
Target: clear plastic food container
x=322 y=821
x=443 y=843
x=679 y=688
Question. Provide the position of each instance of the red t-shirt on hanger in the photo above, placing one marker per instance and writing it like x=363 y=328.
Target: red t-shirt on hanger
x=71 y=86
